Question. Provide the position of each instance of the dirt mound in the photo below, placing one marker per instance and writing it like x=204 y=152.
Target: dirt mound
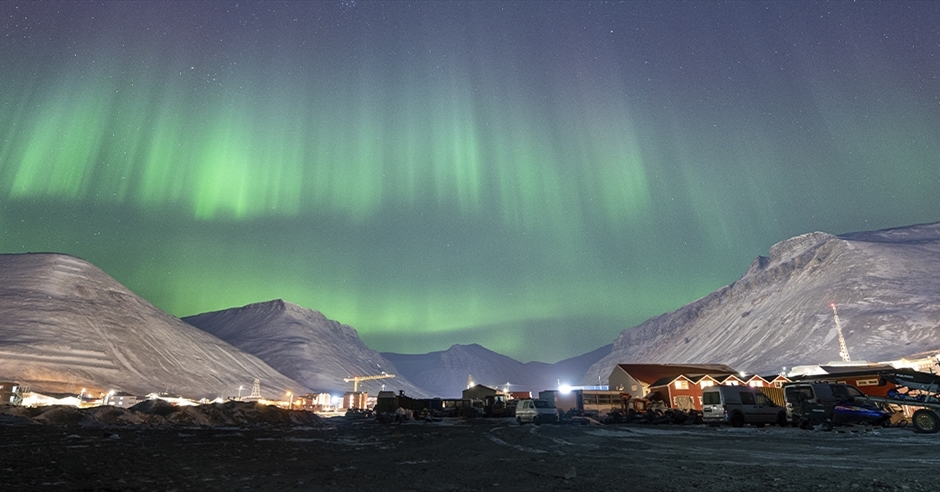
x=59 y=415
x=159 y=413
x=155 y=407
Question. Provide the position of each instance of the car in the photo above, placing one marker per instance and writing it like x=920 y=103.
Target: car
x=812 y=403
x=537 y=411
x=739 y=405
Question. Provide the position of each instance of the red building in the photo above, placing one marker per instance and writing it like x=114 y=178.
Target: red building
x=637 y=379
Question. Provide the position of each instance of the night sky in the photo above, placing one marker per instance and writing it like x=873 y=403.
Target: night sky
x=531 y=176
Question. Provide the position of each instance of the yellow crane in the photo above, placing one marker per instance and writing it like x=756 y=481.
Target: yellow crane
x=355 y=379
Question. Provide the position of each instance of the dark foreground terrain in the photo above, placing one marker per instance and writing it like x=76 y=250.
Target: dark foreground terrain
x=464 y=455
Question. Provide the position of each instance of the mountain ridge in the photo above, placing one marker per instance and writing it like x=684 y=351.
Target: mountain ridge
x=779 y=312
x=445 y=372
x=67 y=324
x=304 y=345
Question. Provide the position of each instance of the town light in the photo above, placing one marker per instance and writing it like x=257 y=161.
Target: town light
x=564 y=389
x=290 y=400
x=240 y=388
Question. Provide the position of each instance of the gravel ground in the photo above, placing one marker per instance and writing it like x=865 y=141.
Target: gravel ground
x=463 y=455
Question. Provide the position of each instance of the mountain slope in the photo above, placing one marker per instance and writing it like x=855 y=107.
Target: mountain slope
x=885 y=285
x=65 y=324
x=304 y=345
x=444 y=373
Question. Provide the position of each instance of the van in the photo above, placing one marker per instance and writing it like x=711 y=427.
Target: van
x=739 y=405
x=817 y=402
x=537 y=411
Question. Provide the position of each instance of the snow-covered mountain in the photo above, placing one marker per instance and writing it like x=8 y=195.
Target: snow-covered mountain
x=304 y=345
x=885 y=285
x=65 y=325
x=446 y=373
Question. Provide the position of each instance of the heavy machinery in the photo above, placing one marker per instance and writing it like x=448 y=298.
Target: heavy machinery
x=914 y=389
x=355 y=379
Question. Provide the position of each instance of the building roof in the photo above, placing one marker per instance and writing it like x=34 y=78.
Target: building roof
x=843 y=371
x=650 y=373
x=666 y=381
x=856 y=370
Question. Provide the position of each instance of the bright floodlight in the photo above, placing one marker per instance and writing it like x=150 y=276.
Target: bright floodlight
x=564 y=389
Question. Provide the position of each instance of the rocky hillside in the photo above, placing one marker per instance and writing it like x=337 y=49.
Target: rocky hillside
x=885 y=285
x=304 y=345
x=65 y=325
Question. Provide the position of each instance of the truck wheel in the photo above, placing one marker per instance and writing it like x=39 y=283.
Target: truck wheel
x=926 y=421
x=737 y=420
x=782 y=419
x=519 y=419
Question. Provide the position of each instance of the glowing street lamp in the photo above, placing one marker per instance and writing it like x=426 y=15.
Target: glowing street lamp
x=240 y=388
x=290 y=402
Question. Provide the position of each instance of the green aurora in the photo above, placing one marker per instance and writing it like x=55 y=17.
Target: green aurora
x=531 y=177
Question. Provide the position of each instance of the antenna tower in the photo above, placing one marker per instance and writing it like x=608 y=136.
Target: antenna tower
x=843 y=350
x=256 y=390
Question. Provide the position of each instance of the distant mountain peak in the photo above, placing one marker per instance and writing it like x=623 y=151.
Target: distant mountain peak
x=302 y=344
x=788 y=248
x=468 y=347
x=272 y=309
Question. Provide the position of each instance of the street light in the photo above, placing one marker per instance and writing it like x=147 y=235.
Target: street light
x=240 y=388
x=290 y=401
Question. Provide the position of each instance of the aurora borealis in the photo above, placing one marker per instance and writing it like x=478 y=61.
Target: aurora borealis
x=531 y=176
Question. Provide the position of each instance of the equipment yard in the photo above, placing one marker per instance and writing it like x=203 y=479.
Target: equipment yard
x=454 y=454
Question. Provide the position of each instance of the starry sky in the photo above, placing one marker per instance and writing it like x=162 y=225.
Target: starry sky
x=531 y=176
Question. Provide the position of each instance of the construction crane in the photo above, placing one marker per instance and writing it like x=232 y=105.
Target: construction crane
x=843 y=350
x=355 y=379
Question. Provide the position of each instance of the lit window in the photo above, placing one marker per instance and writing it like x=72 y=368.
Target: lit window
x=706 y=383
x=682 y=384
x=756 y=384
x=866 y=382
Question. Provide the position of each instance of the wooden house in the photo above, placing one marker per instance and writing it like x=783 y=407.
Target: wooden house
x=480 y=392
x=680 y=392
